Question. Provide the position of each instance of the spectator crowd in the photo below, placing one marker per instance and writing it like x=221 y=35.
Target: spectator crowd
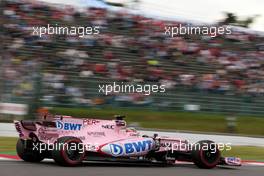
x=130 y=48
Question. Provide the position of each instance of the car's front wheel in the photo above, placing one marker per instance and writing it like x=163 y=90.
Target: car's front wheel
x=68 y=151
x=205 y=154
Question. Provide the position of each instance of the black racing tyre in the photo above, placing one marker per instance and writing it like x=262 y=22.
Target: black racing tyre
x=66 y=154
x=26 y=152
x=205 y=154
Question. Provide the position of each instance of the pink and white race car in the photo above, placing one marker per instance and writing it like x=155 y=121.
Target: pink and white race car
x=69 y=141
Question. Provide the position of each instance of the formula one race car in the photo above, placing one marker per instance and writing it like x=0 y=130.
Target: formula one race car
x=69 y=141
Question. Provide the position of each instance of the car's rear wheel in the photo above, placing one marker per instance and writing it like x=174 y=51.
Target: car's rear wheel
x=27 y=152
x=205 y=154
x=68 y=151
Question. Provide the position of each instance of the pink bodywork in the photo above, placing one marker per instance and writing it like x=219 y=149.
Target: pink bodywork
x=109 y=137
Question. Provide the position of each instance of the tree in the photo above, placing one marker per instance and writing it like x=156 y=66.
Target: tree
x=247 y=22
x=232 y=19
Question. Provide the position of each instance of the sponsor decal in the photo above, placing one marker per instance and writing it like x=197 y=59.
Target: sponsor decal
x=92 y=147
x=233 y=160
x=133 y=134
x=116 y=149
x=44 y=134
x=43 y=130
x=48 y=136
x=130 y=148
x=68 y=126
x=96 y=134
x=90 y=122
x=108 y=126
x=18 y=128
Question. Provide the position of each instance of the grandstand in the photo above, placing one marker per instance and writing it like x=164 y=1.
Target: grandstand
x=221 y=74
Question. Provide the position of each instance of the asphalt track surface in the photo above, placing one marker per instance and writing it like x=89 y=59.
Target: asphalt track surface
x=49 y=168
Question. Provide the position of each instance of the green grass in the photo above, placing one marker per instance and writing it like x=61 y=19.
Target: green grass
x=8 y=146
x=246 y=152
x=173 y=120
